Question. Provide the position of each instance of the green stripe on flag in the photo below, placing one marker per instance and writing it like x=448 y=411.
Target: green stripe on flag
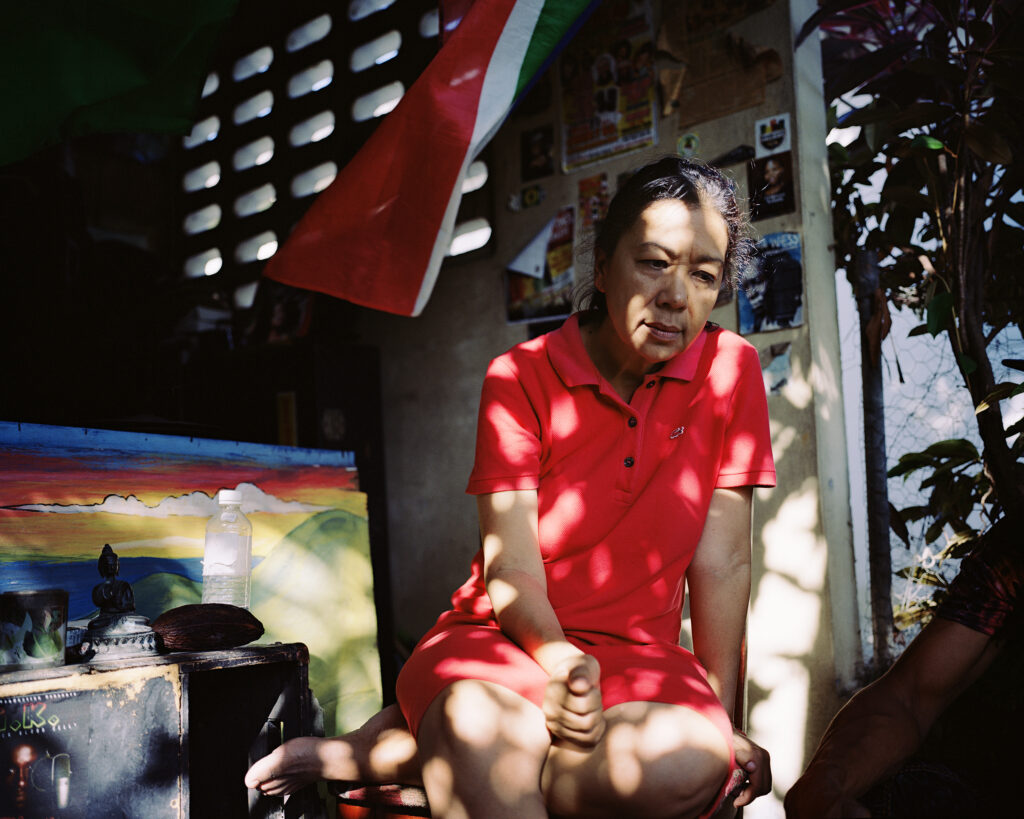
x=556 y=18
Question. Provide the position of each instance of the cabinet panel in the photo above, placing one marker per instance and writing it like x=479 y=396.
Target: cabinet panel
x=166 y=737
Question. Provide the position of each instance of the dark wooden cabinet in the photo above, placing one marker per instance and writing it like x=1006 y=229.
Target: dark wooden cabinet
x=147 y=738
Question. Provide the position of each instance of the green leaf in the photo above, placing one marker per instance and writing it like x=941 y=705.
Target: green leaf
x=925 y=142
x=939 y=313
x=827 y=10
x=922 y=576
x=987 y=143
x=920 y=330
x=905 y=618
x=898 y=525
x=915 y=512
x=920 y=114
x=954 y=448
x=1006 y=389
x=910 y=462
x=933 y=531
x=1015 y=428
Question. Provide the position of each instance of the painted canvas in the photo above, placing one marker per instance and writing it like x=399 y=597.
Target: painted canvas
x=65 y=492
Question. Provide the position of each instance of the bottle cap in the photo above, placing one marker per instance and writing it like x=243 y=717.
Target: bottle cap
x=226 y=496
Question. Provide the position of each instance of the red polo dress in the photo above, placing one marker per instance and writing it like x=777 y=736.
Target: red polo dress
x=623 y=492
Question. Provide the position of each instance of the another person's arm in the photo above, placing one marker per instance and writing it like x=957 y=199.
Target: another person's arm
x=718 y=580
x=886 y=722
x=517 y=586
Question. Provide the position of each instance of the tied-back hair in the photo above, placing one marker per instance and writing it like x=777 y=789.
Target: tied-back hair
x=671 y=177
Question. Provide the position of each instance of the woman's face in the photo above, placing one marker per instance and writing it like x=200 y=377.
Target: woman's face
x=662 y=282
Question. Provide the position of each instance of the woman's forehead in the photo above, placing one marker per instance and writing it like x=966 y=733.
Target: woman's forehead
x=674 y=223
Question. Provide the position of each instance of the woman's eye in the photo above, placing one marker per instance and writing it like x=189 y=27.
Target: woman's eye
x=704 y=276
x=656 y=264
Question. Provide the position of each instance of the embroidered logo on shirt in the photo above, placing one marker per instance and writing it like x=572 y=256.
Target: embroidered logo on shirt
x=677 y=432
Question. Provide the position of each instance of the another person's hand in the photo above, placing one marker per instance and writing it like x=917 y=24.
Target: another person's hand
x=572 y=702
x=818 y=795
x=755 y=760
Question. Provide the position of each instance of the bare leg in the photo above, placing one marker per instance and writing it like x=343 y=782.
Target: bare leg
x=483 y=748
x=655 y=760
x=382 y=750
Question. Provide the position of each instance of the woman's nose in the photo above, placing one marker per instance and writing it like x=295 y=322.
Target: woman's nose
x=673 y=292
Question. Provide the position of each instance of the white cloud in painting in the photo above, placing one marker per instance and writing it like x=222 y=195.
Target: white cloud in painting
x=197 y=504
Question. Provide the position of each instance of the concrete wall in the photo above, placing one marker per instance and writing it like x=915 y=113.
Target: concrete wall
x=803 y=631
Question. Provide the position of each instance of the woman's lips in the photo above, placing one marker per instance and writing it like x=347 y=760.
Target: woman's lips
x=663 y=332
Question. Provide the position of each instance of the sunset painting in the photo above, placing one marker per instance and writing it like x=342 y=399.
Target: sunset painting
x=65 y=492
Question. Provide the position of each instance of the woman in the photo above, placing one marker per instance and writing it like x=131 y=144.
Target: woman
x=615 y=457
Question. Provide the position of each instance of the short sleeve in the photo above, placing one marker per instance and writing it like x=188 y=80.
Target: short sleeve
x=747 y=450
x=508 y=443
x=983 y=595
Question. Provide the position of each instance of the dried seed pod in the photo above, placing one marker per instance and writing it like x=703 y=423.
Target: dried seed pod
x=206 y=627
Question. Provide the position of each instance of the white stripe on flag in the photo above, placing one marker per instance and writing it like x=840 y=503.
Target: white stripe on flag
x=496 y=97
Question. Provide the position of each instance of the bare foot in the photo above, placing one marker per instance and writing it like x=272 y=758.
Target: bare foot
x=382 y=750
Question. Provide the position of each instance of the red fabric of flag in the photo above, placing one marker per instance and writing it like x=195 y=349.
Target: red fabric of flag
x=368 y=238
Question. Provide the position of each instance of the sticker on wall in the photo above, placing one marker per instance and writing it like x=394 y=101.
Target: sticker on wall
x=593 y=201
x=687 y=145
x=770 y=182
x=776 y=367
x=528 y=197
x=772 y=135
x=532 y=196
x=772 y=290
x=608 y=85
x=537 y=155
x=540 y=279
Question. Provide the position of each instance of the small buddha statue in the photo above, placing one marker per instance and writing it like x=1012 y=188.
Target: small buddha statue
x=113 y=595
x=117 y=630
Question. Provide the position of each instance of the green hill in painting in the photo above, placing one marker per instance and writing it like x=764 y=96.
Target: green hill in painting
x=158 y=592
x=316 y=587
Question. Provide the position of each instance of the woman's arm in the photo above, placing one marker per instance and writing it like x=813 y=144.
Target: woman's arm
x=718 y=580
x=517 y=586
x=886 y=722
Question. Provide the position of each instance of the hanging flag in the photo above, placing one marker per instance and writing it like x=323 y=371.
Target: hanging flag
x=69 y=68
x=378 y=234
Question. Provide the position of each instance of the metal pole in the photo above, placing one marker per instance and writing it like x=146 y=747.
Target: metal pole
x=879 y=547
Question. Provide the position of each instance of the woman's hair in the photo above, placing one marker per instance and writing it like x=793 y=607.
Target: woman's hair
x=671 y=177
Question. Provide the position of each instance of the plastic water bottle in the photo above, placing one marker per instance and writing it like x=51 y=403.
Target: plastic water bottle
x=227 y=558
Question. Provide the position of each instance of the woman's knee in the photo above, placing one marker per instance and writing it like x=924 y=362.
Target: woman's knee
x=655 y=760
x=476 y=716
x=482 y=748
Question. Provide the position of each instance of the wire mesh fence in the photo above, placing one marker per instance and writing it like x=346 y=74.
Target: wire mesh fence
x=925 y=402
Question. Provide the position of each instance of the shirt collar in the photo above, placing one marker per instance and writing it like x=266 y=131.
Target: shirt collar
x=569 y=357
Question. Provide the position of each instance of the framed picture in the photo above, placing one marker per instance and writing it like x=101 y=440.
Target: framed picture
x=771 y=186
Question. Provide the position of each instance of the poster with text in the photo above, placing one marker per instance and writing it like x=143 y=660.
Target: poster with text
x=540 y=279
x=593 y=202
x=608 y=89
x=772 y=291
